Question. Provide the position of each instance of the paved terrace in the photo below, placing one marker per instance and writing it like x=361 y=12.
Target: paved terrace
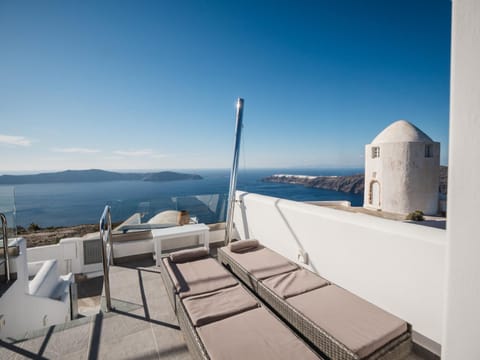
x=142 y=326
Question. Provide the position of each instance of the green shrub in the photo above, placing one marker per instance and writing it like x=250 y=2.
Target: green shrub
x=33 y=227
x=417 y=215
x=21 y=230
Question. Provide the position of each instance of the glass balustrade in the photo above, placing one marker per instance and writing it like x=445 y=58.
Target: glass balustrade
x=203 y=208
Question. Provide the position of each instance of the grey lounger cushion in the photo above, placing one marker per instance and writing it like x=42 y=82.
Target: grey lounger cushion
x=262 y=262
x=218 y=305
x=358 y=324
x=254 y=334
x=294 y=283
x=198 y=277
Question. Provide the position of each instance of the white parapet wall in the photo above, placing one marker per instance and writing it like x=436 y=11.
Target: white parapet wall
x=462 y=316
x=69 y=255
x=29 y=305
x=398 y=266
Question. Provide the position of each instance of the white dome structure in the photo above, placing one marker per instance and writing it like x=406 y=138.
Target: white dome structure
x=402 y=166
x=401 y=131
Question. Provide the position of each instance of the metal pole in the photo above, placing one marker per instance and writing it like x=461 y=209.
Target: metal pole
x=106 y=226
x=5 y=246
x=233 y=173
x=109 y=236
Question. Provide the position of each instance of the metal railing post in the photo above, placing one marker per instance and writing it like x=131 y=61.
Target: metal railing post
x=5 y=246
x=233 y=173
x=106 y=239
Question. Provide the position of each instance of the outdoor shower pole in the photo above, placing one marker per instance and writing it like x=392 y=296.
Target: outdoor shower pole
x=233 y=173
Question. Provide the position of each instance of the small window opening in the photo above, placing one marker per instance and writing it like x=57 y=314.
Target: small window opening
x=428 y=151
x=375 y=152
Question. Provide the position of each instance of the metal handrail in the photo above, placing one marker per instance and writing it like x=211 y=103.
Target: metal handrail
x=106 y=239
x=5 y=246
x=233 y=173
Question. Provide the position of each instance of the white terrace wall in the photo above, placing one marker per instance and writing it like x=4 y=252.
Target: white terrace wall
x=398 y=266
x=462 y=319
x=69 y=255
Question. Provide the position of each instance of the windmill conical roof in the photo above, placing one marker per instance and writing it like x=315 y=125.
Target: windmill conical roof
x=401 y=131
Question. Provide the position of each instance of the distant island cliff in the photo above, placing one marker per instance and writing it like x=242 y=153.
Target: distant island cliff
x=93 y=175
x=353 y=184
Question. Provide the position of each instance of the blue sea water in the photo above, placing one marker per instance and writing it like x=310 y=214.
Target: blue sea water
x=66 y=204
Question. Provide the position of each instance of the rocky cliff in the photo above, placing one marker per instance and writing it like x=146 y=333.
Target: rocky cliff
x=349 y=184
x=353 y=184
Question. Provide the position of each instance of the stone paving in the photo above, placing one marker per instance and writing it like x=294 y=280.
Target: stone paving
x=142 y=326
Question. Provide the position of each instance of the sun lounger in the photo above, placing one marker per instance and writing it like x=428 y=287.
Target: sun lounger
x=220 y=318
x=340 y=324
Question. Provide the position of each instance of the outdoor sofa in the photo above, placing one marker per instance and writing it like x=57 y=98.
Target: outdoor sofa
x=219 y=317
x=338 y=323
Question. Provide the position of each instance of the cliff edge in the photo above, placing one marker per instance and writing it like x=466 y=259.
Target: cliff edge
x=353 y=184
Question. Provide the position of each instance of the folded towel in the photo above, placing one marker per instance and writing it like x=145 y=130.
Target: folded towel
x=188 y=255
x=244 y=245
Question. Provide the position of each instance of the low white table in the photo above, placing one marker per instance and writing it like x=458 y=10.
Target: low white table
x=200 y=230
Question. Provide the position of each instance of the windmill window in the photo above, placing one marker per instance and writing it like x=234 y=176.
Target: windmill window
x=375 y=152
x=428 y=151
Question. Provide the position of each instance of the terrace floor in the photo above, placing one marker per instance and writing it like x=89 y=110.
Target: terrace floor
x=142 y=325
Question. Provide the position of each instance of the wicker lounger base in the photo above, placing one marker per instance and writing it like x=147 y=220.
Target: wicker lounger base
x=169 y=287
x=396 y=349
x=194 y=343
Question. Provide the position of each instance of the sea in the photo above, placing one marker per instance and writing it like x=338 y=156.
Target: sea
x=69 y=204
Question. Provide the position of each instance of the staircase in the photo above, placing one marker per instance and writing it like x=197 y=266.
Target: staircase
x=32 y=296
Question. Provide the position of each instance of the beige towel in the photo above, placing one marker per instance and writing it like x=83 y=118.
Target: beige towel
x=244 y=245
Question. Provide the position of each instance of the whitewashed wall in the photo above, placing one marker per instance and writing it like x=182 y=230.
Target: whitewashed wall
x=69 y=255
x=70 y=258
x=463 y=302
x=397 y=266
x=408 y=180
x=22 y=311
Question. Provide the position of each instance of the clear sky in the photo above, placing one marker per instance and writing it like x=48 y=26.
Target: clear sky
x=152 y=84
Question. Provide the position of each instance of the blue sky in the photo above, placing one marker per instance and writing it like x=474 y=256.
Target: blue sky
x=152 y=84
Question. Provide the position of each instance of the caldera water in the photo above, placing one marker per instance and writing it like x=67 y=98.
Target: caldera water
x=68 y=204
